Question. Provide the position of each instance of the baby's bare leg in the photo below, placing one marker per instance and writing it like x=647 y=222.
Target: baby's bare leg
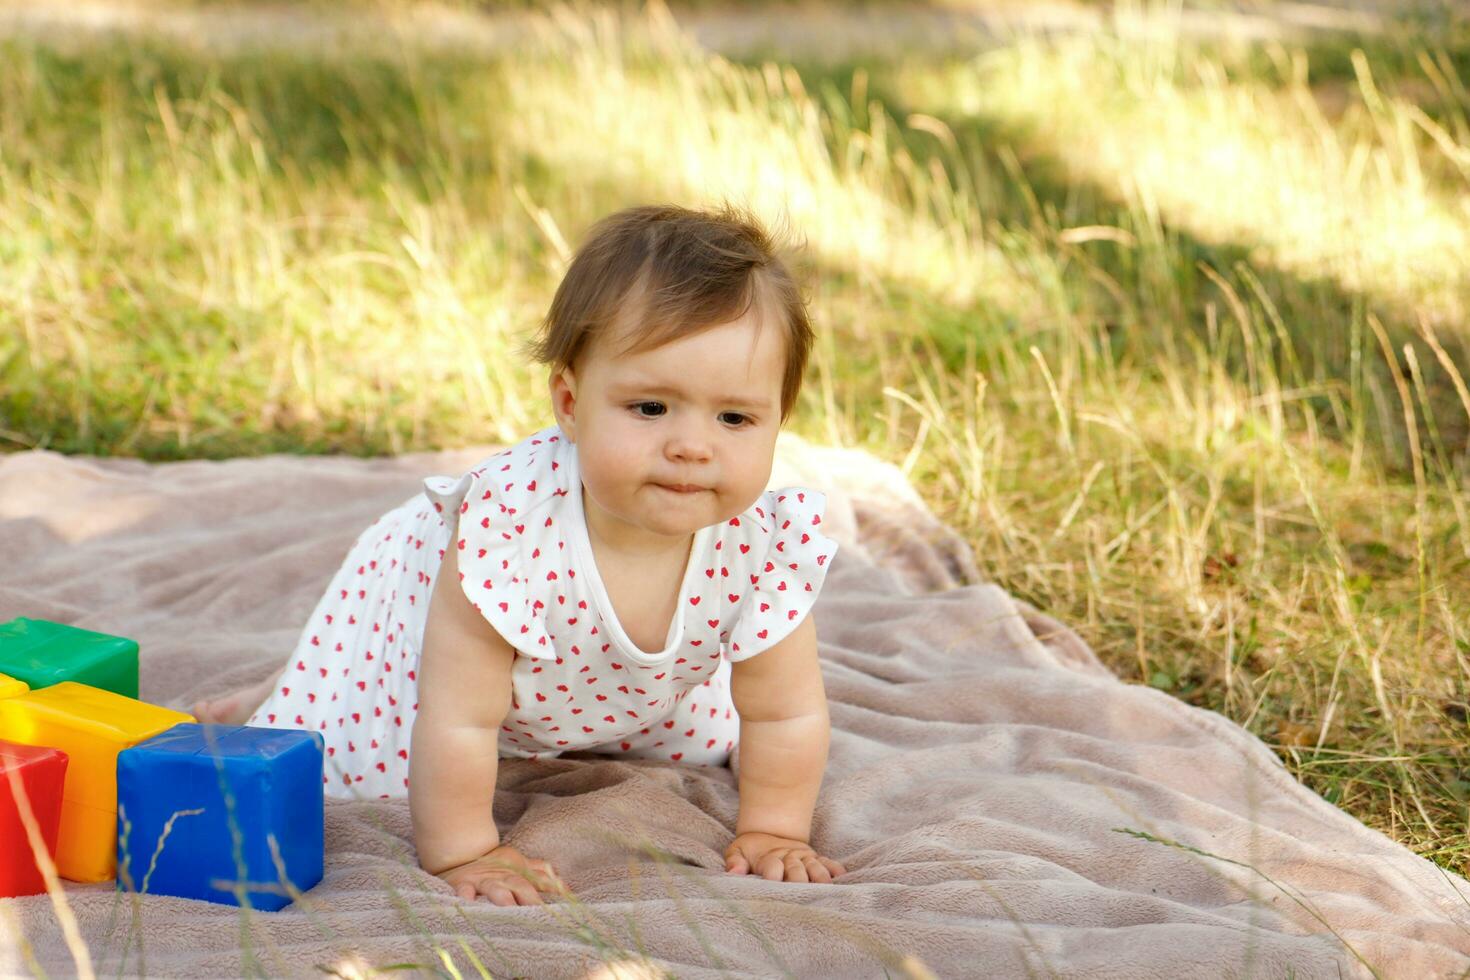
x=236 y=707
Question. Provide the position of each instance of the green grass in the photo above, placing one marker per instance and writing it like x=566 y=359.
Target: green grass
x=1172 y=331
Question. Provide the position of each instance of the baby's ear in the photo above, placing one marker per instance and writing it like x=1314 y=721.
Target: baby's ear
x=562 y=387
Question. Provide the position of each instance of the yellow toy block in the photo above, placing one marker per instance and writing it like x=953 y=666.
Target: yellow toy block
x=10 y=687
x=91 y=726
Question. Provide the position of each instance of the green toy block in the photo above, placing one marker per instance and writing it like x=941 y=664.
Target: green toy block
x=43 y=653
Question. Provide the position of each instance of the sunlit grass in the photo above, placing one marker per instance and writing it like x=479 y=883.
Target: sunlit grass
x=1376 y=199
x=1179 y=352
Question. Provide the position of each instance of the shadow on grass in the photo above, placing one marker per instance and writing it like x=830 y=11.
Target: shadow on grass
x=1166 y=284
x=429 y=124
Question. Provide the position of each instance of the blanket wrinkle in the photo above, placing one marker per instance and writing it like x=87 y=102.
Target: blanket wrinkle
x=988 y=778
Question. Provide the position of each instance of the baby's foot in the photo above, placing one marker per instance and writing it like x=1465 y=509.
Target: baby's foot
x=234 y=708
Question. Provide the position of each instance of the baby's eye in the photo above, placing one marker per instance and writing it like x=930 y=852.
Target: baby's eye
x=642 y=405
x=738 y=418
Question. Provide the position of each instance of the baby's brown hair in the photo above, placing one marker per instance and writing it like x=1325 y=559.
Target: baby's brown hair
x=686 y=270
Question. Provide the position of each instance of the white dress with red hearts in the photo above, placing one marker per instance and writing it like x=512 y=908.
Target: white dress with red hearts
x=578 y=682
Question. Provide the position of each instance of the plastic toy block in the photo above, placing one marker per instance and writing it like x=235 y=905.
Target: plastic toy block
x=10 y=687
x=41 y=773
x=43 y=653
x=265 y=782
x=91 y=726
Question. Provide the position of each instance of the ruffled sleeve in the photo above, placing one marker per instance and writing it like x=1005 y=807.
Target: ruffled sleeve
x=490 y=532
x=789 y=576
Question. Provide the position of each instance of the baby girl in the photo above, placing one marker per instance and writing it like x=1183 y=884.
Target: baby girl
x=603 y=586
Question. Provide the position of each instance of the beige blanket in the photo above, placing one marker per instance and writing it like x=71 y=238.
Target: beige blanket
x=987 y=785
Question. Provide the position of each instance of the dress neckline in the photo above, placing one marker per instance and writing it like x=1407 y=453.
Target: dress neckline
x=582 y=544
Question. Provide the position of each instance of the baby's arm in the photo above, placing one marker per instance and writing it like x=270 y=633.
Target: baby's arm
x=464 y=684
x=784 y=736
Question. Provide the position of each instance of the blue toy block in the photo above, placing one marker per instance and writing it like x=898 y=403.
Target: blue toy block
x=249 y=784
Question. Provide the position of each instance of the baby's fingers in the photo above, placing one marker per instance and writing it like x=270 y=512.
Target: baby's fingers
x=816 y=871
x=833 y=866
x=771 y=867
x=544 y=877
x=507 y=892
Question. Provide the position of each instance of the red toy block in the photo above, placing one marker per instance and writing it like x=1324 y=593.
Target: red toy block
x=42 y=774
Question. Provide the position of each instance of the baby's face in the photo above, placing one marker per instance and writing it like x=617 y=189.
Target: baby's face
x=700 y=412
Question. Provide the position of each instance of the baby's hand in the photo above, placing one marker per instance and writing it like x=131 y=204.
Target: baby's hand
x=506 y=877
x=779 y=859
